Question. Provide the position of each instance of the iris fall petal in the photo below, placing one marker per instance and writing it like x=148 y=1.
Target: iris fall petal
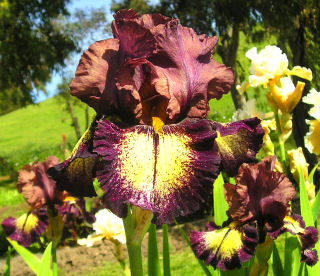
x=238 y=142
x=226 y=247
x=169 y=173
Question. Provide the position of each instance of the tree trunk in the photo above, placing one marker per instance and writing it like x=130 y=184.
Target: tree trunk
x=230 y=59
x=300 y=113
x=75 y=122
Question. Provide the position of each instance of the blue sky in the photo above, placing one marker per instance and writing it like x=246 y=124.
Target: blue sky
x=76 y=4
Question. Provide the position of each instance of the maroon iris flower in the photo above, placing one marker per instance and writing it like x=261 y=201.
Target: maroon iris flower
x=43 y=196
x=259 y=205
x=150 y=144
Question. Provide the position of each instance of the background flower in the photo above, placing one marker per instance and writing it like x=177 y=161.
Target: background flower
x=107 y=226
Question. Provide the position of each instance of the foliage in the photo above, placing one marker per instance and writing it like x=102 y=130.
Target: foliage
x=32 y=46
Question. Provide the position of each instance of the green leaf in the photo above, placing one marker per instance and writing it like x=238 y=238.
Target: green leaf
x=153 y=254
x=276 y=264
x=31 y=260
x=310 y=178
x=205 y=269
x=291 y=255
x=307 y=215
x=166 y=251
x=44 y=268
x=6 y=270
x=304 y=201
x=315 y=207
x=219 y=202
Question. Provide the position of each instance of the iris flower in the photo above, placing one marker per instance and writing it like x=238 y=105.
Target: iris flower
x=269 y=67
x=259 y=205
x=108 y=226
x=150 y=145
x=46 y=202
x=312 y=138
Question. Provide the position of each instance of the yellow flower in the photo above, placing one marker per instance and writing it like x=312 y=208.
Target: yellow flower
x=108 y=226
x=247 y=111
x=270 y=63
x=286 y=96
x=312 y=138
x=313 y=98
x=297 y=163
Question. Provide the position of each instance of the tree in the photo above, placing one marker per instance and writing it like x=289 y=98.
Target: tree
x=297 y=27
x=32 y=46
x=83 y=26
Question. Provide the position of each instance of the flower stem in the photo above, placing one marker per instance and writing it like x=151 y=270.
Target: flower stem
x=136 y=224
x=281 y=143
x=135 y=258
x=54 y=260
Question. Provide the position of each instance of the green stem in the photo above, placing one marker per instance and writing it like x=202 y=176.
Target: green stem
x=135 y=258
x=166 y=251
x=133 y=245
x=281 y=144
x=54 y=261
x=153 y=255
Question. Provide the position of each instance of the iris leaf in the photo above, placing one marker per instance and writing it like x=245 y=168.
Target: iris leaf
x=6 y=270
x=31 y=260
x=304 y=201
x=277 y=265
x=315 y=207
x=44 y=267
x=205 y=269
x=219 y=201
x=307 y=215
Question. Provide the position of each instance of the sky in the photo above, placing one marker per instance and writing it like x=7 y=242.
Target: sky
x=51 y=87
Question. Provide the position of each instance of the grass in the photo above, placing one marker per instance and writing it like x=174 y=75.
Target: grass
x=183 y=263
x=35 y=132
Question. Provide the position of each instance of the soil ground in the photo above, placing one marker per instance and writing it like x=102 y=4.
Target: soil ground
x=82 y=260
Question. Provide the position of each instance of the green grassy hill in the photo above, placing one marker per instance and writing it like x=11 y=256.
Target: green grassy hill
x=35 y=132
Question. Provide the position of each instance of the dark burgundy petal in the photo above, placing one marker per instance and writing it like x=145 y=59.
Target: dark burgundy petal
x=136 y=41
x=308 y=237
x=117 y=207
x=170 y=173
x=183 y=61
x=310 y=257
x=94 y=79
x=227 y=247
x=238 y=143
x=260 y=194
x=27 y=228
x=35 y=185
x=75 y=175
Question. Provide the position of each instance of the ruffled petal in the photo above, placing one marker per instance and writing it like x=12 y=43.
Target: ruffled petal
x=94 y=79
x=136 y=41
x=183 y=61
x=260 y=194
x=35 y=185
x=227 y=247
x=301 y=72
x=170 y=173
x=27 y=228
x=75 y=175
x=308 y=236
x=238 y=142
x=312 y=139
